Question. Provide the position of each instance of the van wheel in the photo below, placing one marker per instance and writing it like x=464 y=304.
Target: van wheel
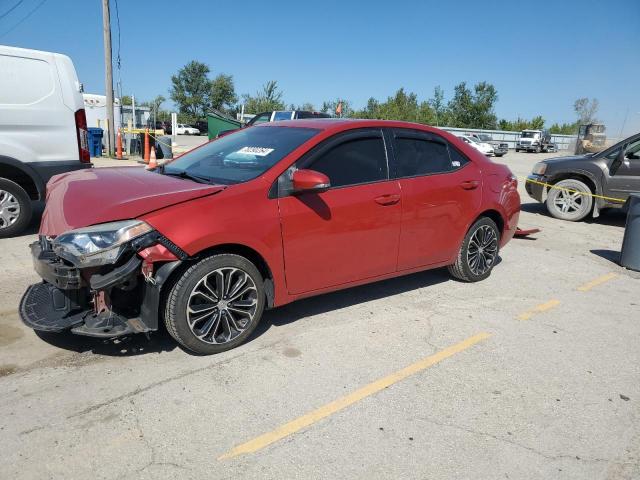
x=15 y=208
x=478 y=253
x=216 y=304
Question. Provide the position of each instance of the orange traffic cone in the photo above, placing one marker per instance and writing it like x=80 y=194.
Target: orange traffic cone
x=119 y=146
x=152 y=159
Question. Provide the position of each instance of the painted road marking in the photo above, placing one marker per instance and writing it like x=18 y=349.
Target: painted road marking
x=314 y=416
x=598 y=281
x=543 y=307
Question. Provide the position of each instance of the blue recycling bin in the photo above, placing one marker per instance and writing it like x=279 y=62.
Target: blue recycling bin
x=95 y=141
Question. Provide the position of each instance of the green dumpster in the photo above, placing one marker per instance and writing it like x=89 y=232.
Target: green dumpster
x=219 y=122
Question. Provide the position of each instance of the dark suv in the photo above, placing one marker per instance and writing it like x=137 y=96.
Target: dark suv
x=612 y=174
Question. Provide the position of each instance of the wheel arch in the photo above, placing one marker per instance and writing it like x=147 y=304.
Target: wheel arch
x=250 y=254
x=493 y=215
x=19 y=173
x=584 y=177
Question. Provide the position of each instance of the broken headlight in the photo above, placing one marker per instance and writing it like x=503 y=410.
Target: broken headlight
x=99 y=244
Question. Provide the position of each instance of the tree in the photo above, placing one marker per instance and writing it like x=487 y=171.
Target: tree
x=330 y=107
x=125 y=100
x=270 y=98
x=402 y=106
x=469 y=109
x=191 y=89
x=439 y=106
x=305 y=106
x=222 y=93
x=586 y=110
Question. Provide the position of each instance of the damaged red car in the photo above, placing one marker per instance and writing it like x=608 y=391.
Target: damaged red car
x=257 y=219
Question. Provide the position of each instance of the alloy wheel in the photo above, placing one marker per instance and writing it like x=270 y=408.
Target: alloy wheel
x=9 y=209
x=568 y=202
x=222 y=305
x=482 y=250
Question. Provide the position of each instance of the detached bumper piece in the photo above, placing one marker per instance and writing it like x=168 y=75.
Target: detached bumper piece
x=47 y=308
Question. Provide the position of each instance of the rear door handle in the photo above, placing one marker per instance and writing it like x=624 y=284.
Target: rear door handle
x=389 y=199
x=470 y=184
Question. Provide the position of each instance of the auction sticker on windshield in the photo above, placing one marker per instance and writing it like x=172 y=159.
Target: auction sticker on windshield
x=257 y=151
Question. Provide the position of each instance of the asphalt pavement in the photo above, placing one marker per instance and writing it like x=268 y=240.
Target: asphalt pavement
x=531 y=374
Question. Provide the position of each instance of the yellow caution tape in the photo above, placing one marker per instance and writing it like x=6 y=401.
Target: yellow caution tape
x=569 y=190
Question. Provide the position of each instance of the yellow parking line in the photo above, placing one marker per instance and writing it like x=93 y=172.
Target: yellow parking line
x=598 y=281
x=314 y=416
x=543 y=307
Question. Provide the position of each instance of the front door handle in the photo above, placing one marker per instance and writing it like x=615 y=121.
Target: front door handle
x=389 y=199
x=470 y=184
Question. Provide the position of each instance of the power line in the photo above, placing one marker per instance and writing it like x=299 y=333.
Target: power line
x=24 y=19
x=118 y=23
x=11 y=9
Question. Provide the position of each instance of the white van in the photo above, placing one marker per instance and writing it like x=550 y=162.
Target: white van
x=43 y=129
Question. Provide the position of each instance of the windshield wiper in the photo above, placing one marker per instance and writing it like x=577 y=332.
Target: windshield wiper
x=186 y=175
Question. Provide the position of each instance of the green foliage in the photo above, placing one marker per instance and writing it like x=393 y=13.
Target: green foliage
x=565 y=128
x=194 y=93
x=305 y=106
x=439 y=106
x=191 y=88
x=126 y=100
x=402 y=106
x=469 y=109
x=536 y=123
x=331 y=105
x=270 y=98
x=223 y=94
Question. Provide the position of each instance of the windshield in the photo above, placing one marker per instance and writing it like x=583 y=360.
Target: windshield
x=529 y=134
x=239 y=156
x=473 y=139
x=484 y=138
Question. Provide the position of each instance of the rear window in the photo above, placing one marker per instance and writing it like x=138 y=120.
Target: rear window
x=281 y=116
x=242 y=155
x=418 y=156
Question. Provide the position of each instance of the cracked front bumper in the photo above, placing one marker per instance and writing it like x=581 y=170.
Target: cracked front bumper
x=106 y=302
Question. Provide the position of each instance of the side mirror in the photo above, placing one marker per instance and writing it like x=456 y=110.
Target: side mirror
x=310 y=181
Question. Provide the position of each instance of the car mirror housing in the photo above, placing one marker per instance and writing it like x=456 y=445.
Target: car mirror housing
x=310 y=181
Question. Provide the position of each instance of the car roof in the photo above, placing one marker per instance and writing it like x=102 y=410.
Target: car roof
x=346 y=124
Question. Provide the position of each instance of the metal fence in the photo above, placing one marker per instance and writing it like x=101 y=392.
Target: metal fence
x=564 y=142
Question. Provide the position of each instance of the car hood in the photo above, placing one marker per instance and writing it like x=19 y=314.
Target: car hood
x=99 y=195
x=567 y=159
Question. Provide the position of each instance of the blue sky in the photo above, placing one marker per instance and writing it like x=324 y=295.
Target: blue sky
x=540 y=55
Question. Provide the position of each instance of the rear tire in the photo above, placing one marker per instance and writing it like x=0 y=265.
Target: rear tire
x=216 y=304
x=570 y=206
x=16 y=209
x=478 y=253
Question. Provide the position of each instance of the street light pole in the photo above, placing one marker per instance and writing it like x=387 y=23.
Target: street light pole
x=106 y=32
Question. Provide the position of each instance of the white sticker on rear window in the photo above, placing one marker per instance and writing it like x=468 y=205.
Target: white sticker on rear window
x=257 y=151
x=455 y=163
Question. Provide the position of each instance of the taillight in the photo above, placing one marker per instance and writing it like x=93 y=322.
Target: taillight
x=82 y=135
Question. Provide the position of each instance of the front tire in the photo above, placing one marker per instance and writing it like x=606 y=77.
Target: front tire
x=15 y=208
x=478 y=253
x=216 y=304
x=572 y=201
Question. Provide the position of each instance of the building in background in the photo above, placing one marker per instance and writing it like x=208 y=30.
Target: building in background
x=95 y=107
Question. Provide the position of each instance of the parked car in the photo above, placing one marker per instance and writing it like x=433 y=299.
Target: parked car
x=259 y=218
x=499 y=148
x=164 y=125
x=43 y=129
x=612 y=173
x=202 y=126
x=534 y=141
x=182 y=129
x=278 y=115
x=483 y=147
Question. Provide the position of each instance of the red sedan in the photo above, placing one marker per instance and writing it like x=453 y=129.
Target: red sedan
x=260 y=218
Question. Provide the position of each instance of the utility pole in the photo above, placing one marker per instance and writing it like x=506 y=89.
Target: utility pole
x=106 y=32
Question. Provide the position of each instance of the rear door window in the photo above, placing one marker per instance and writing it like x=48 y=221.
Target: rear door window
x=420 y=153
